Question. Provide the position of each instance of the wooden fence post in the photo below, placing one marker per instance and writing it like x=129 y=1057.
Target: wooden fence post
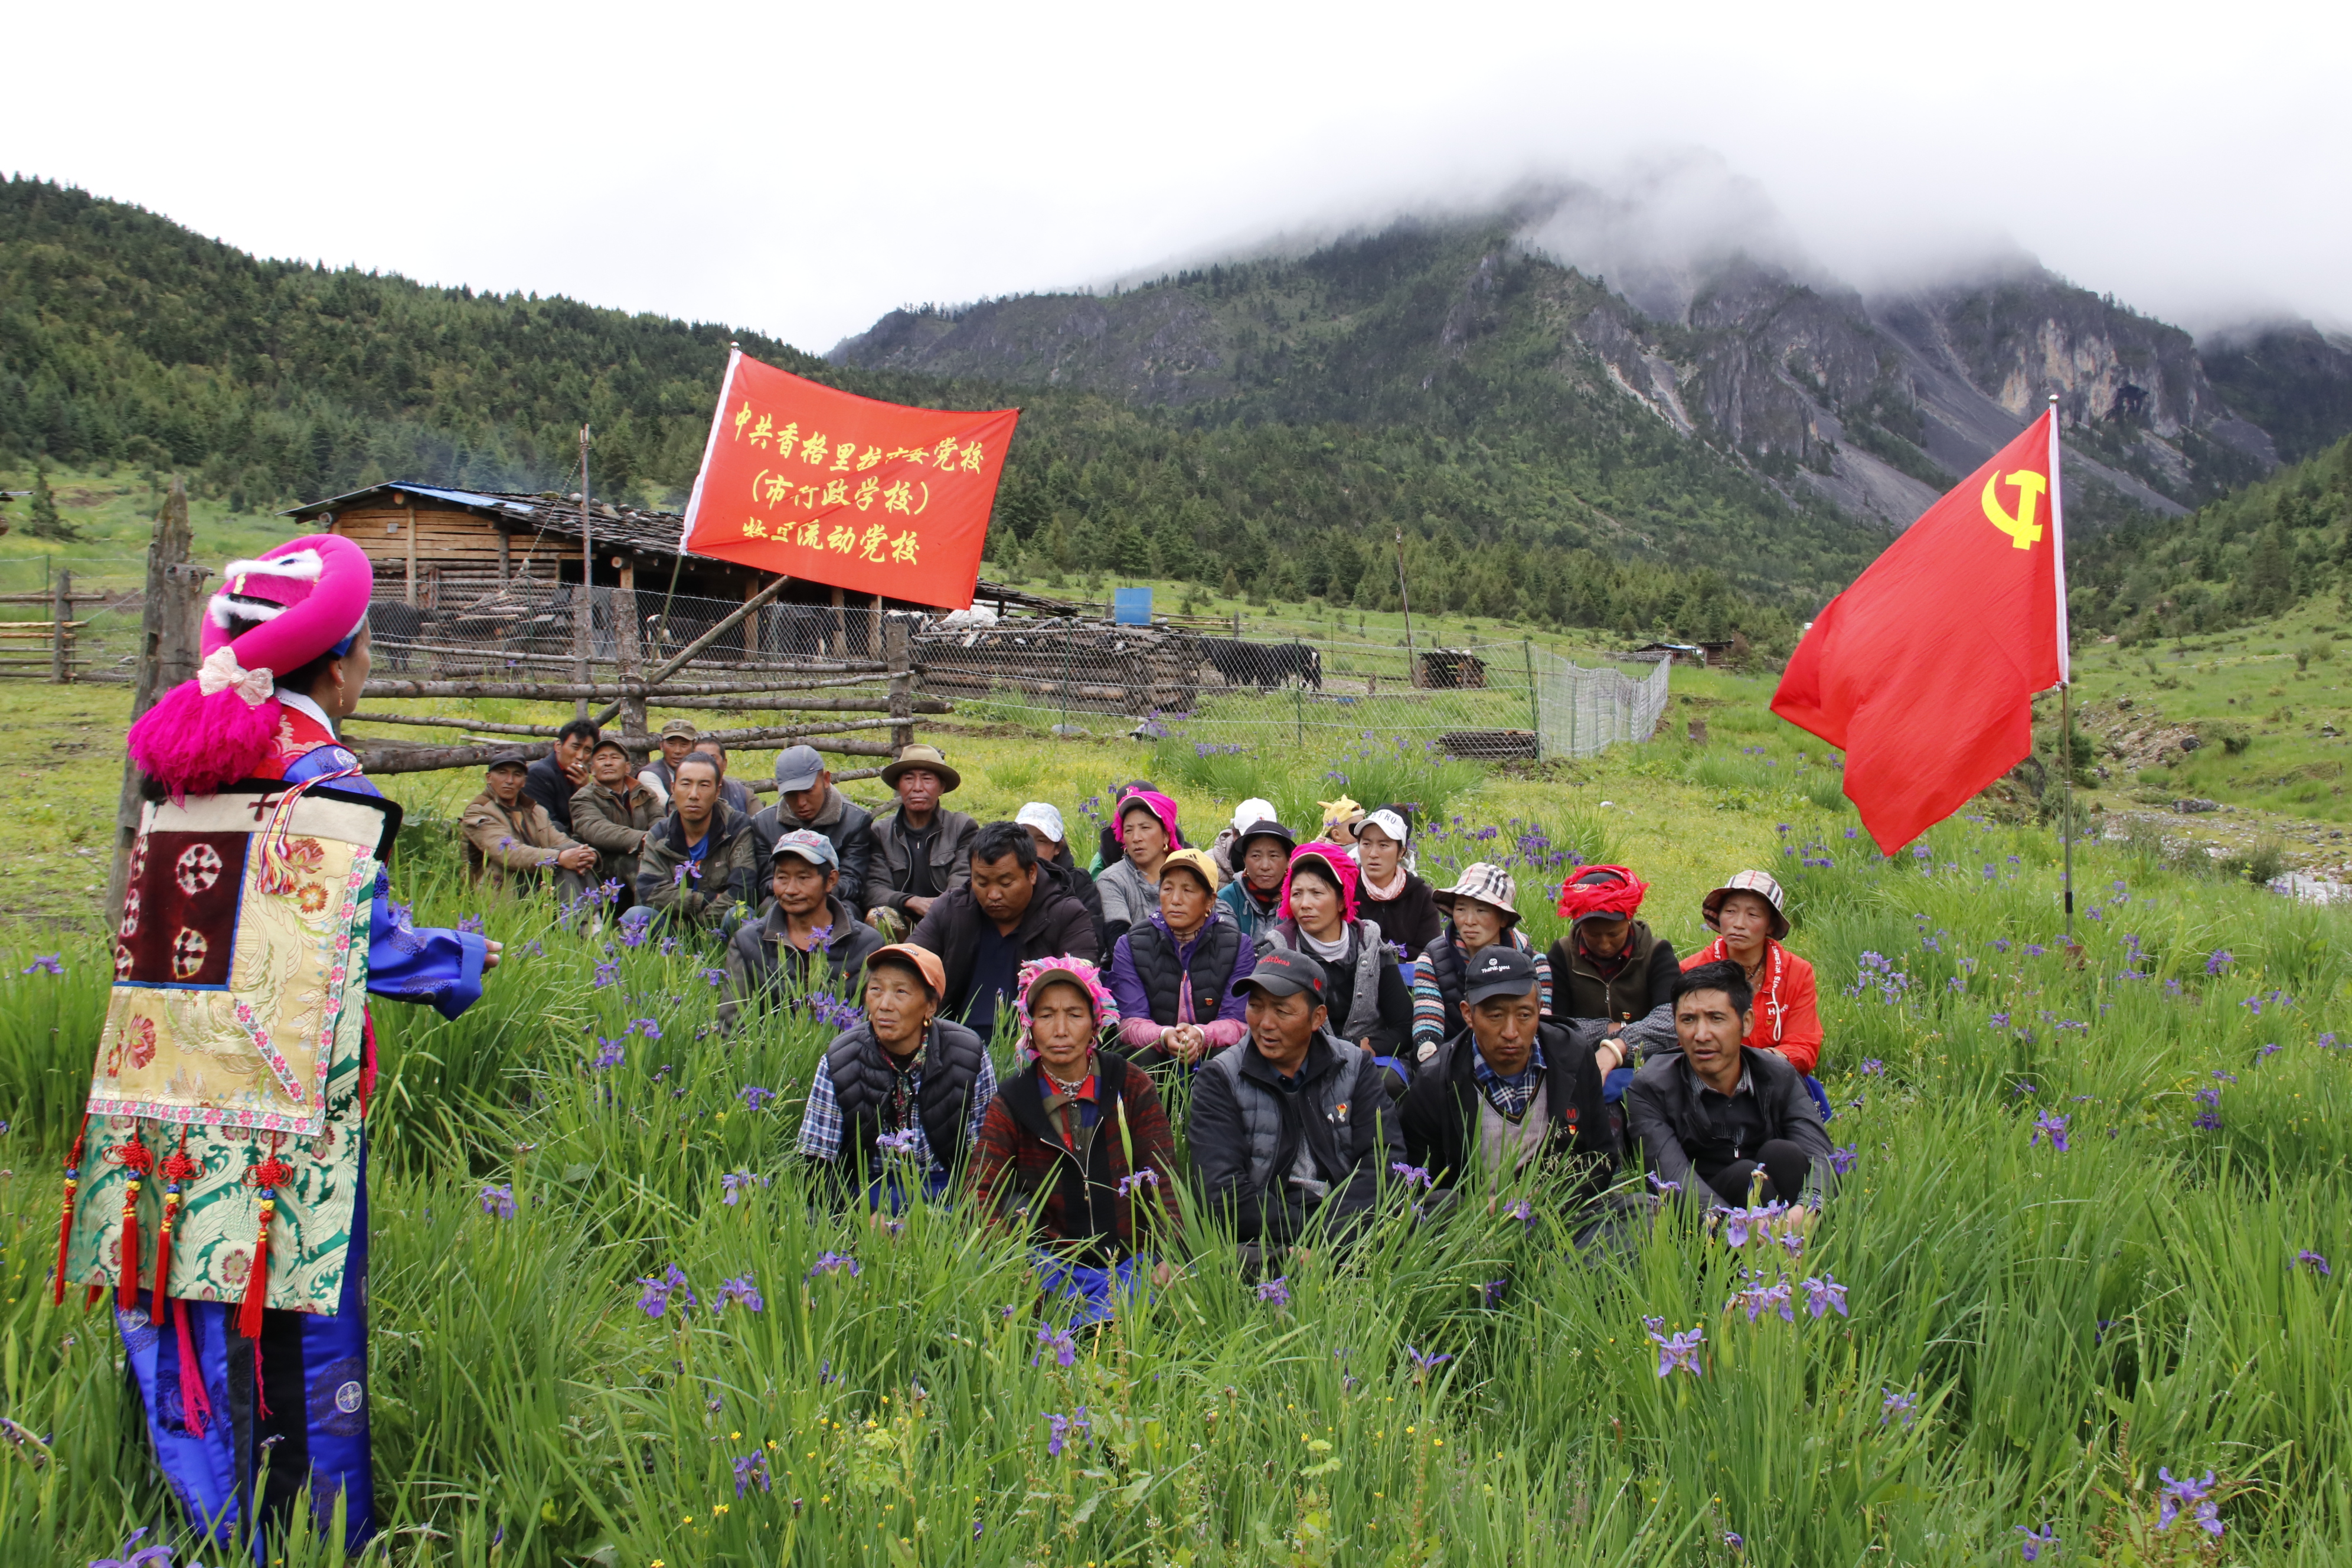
x=168 y=643
x=898 y=652
x=625 y=656
x=61 y=629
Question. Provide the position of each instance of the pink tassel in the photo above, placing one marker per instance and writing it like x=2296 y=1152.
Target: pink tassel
x=194 y=745
x=196 y=1405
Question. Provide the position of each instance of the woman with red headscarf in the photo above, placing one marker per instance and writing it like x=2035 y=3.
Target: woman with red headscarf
x=1371 y=1004
x=1146 y=821
x=236 y=1038
x=1611 y=966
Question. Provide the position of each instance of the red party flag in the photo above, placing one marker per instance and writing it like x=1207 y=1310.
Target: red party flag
x=1923 y=672
x=824 y=485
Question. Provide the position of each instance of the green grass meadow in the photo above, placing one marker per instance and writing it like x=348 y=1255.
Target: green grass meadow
x=2031 y=1332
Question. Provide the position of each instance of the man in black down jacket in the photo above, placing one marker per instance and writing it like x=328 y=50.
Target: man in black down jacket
x=1509 y=1090
x=1010 y=909
x=1294 y=1124
x=1715 y=1116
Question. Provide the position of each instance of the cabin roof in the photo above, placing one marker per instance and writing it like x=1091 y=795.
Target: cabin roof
x=636 y=528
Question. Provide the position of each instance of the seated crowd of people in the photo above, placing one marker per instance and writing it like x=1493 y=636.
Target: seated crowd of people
x=1342 y=1025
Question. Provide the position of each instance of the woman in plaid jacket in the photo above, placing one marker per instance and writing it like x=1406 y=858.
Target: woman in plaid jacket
x=1076 y=1150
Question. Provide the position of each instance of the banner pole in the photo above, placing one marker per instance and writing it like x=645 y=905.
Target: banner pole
x=2065 y=687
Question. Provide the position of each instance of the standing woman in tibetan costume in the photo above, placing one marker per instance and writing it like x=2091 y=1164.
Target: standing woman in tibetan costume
x=221 y=1165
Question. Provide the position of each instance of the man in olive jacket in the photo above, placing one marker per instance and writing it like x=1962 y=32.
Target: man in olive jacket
x=614 y=810
x=510 y=842
x=696 y=868
x=1009 y=908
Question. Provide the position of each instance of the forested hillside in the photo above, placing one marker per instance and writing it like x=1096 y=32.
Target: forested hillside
x=2250 y=554
x=1548 y=451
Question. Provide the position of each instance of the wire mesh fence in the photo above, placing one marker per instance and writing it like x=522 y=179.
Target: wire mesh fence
x=1489 y=699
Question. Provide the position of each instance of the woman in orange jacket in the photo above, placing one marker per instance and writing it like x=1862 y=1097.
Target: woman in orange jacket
x=1751 y=915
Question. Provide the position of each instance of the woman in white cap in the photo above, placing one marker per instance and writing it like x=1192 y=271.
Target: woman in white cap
x=1045 y=824
x=1246 y=815
x=1393 y=894
x=1484 y=905
x=1751 y=914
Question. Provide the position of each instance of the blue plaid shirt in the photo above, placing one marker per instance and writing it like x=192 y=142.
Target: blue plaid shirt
x=821 y=1121
x=1507 y=1095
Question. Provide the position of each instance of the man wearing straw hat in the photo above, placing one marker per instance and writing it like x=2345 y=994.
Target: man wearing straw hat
x=921 y=850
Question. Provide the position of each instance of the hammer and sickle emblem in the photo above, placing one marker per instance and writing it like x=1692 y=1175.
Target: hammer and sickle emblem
x=2022 y=531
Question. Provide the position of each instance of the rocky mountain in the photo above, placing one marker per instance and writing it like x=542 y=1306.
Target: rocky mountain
x=1872 y=403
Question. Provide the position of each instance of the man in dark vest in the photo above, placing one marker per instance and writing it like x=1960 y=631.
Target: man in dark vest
x=1612 y=967
x=1292 y=1127
x=1509 y=1090
x=897 y=1102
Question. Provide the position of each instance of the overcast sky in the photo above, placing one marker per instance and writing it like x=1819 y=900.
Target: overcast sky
x=801 y=169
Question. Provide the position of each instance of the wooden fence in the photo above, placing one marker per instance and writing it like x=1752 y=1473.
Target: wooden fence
x=45 y=649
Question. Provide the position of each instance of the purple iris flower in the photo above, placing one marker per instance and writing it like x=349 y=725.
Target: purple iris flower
x=606 y=973
x=1411 y=1176
x=2037 y=1541
x=2312 y=1260
x=660 y=1292
x=742 y=1290
x=47 y=963
x=2051 y=1127
x=2205 y=1514
x=1064 y=1347
x=499 y=1201
x=1824 y=1294
x=834 y=1263
x=901 y=1143
x=1842 y=1158
x=734 y=1184
x=1276 y=1291
x=751 y=1467
x=1136 y=1181
x=753 y=1097
x=1525 y=1212
x=1678 y=1351
x=1428 y=1361
x=1902 y=1407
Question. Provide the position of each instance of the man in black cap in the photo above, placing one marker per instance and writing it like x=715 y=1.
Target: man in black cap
x=1292 y=1126
x=1511 y=1088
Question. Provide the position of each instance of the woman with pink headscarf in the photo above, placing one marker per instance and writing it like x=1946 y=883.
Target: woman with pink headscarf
x=1370 y=1006
x=1146 y=821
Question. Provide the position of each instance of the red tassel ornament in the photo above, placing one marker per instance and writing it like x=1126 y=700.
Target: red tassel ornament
x=135 y=1158
x=267 y=1176
x=176 y=1170
x=196 y=1405
x=65 y=1219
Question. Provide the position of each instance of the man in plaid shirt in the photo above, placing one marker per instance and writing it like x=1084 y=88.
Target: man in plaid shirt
x=1509 y=1090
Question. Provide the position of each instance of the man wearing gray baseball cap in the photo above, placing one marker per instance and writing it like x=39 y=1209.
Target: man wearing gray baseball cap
x=805 y=941
x=807 y=798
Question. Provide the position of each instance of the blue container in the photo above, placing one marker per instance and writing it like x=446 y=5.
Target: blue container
x=1130 y=606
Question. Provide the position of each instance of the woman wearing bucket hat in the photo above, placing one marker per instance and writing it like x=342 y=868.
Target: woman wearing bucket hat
x=1750 y=913
x=1075 y=1149
x=1259 y=860
x=1484 y=902
x=249 y=883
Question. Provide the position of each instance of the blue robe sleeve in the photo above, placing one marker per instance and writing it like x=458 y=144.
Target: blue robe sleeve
x=435 y=966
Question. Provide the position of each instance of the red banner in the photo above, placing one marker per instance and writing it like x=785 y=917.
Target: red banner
x=836 y=488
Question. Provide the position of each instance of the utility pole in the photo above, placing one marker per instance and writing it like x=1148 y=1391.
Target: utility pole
x=587 y=632
x=1411 y=663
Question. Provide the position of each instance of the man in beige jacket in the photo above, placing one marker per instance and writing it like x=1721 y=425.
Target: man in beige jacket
x=510 y=843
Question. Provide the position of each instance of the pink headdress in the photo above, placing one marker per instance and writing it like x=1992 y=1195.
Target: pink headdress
x=1342 y=867
x=1159 y=804
x=311 y=596
x=1039 y=972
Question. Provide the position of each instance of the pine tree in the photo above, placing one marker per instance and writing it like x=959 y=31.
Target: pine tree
x=46 y=521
